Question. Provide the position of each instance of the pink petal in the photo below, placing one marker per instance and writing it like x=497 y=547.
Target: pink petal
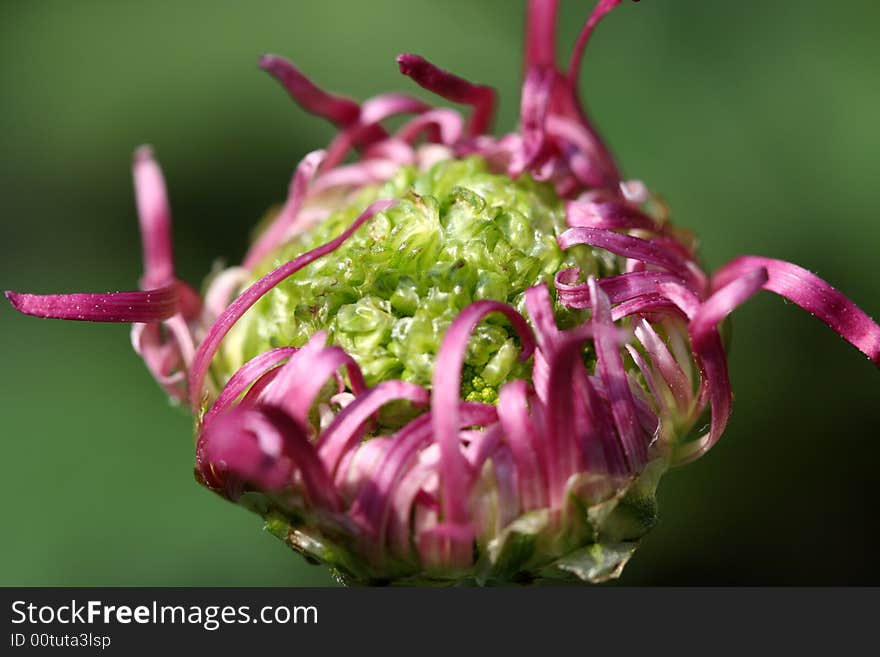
x=154 y=215
x=636 y=248
x=299 y=381
x=446 y=387
x=541 y=34
x=341 y=111
x=348 y=426
x=211 y=342
x=618 y=288
x=710 y=354
x=602 y=8
x=245 y=376
x=609 y=215
x=452 y=88
x=613 y=376
x=447 y=121
x=266 y=447
x=525 y=442
x=142 y=306
x=813 y=295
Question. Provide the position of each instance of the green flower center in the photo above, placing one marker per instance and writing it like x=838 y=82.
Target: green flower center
x=458 y=233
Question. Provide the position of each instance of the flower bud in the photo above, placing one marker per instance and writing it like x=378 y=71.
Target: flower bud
x=459 y=357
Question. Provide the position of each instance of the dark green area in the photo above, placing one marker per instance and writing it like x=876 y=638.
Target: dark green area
x=758 y=125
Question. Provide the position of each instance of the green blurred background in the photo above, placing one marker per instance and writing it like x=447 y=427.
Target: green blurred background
x=757 y=120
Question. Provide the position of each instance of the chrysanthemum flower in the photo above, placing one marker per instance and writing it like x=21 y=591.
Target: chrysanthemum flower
x=460 y=356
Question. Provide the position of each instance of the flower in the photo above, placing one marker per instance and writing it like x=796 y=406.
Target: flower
x=461 y=356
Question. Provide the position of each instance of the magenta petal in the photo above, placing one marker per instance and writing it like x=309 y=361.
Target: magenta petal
x=365 y=172
x=154 y=215
x=266 y=447
x=299 y=381
x=622 y=287
x=665 y=362
x=341 y=111
x=525 y=443
x=540 y=309
x=374 y=111
x=813 y=295
x=636 y=248
x=613 y=376
x=581 y=147
x=384 y=106
x=143 y=306
x=541 y=34
x=235 y=310
x=602 y=8
x=609 y=215
x=374 y=503
x=448 y=122
x=646 y=303
x=348 y=426
x=536 y=91
x=245 y=376
x=446 y=385
x=711 y=358
x=453 y=88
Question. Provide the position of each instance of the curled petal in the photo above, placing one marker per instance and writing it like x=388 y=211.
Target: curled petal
x=525 y=443
x=580 y=432
x=393 y=150
x=348 y=426
x=665 y=362
x=540 y=309
x=452 y=88
x=143 y=306
x=536 y=94
x=588 y=158
x=446 y=386
x=221 y=289
x=375 y=501
x=813 y=295
x=613 y=375
x=235 y=310
x=622 y=287
x=298 y=383
x=636 y=248
x=162 y=358
x=245 y=376
x=374 y=111
x=609 y=215
x=385 y=106
x=337 y=109
x=541 y=34
x=601 y=9
x=709 y=350
x=448 y=122
x=365 y=172
x=267 y=447
x=646 y=303
x=154 y=215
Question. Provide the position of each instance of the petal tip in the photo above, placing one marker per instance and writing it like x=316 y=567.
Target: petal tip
x=267 y=61
x=406 y=61
x=14 y=299
x=143 y=154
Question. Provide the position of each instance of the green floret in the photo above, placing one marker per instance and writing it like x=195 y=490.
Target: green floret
x=458 y=233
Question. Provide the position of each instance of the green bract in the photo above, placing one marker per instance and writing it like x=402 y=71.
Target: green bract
x=457 y=233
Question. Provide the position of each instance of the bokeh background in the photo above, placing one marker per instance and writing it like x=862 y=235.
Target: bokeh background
x=757 y=121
